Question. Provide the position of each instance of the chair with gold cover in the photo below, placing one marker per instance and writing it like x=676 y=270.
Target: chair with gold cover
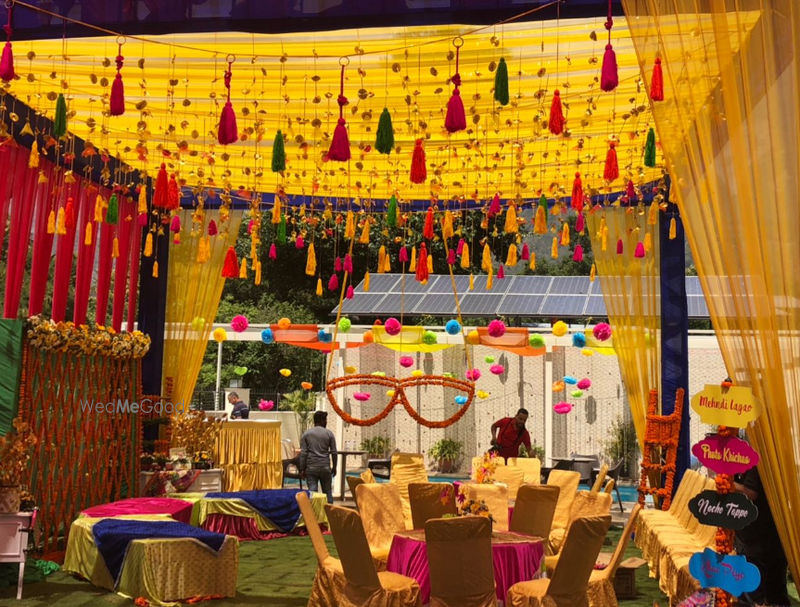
x=431 y=500
x=352 y=483
x=329 y=580
x=512 y=477
x=382 y=515
x=496 y=499
x=601 y=478
x=364 y=585
x=568 y=586
x=610 y=486
x=586 y=504
x=460 y=562
x=567 y=481
x=368 y=477
x=407 y=468
x=531 y=468
x=601 y=582
x=534 y=510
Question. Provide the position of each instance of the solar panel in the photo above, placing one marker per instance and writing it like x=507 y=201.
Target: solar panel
x=436 y=304
x=498 y=286
x=521 y=305
x=570 y=285
x=563 y=305
x=697 y=307
x=595 y=306
x=379 y=283
x=362 y=303
x=412 y=285
x=693 y=286
x=530 y=284
x=480 y=305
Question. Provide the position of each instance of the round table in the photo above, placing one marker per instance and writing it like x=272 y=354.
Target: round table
x=517 y=558
x=178 y=509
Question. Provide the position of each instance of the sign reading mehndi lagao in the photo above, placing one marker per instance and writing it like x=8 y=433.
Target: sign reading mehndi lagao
x=731 y=510
x=733 y=406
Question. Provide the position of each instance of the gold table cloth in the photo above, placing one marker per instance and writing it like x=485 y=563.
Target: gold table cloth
x=249 y=453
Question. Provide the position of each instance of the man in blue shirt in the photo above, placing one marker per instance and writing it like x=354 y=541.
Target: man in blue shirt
x=318 y=456
x=240 y=408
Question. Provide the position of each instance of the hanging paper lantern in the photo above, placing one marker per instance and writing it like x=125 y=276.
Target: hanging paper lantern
x=584 y=384
x=558 y=386
x=220 y=335
x=305 y=385
x=362 y=396
x=461 y=400
x=406 y=361
x=579 y=340
x=489 y=359
x=284 y=323
x=496 y=328
x=285 y=372
x=536 y=341
x=267 y=337
x=473 y=338
x=344 y=325
x=473 y=375
x=560 y=328
x=497 y=369
x=482 y=395
x=324 y=337
x=392 y=326
x=576 y=393
x=198 y=322
x=266 y=405
x=350 y=370
x=602 y=331
x=453 y=327
x=417 y=373
x=587 y=352
x=562 y=408
x=239 y=323
x=429 y=338
x=568 y=379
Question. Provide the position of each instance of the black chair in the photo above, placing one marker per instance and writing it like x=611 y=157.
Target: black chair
x=291 y=469
x=613 y=473
x=585 y=468
x=376 y=464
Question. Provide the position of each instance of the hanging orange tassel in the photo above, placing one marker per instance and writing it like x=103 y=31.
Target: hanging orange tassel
x=652 y=216
x=419 y=170
x=33 y=159
x=511 y=226
x=657 y=82
x=422 y=267
x=243 y=268
x=554 y=248
x=319 y=287
x=350 y=225
x=565 y=235
x=465 y=256
x=412 y=265
x=604 y=239
x=592 y=273
x=532 y=261
x=87 y=235
x=673 y=229
x=155 y=269
x=148 y=245
x=611 y=171
x=311 y=261
x=115 y=248
x=427 y=231
x=540 y=221
x=381 y=257
x=486 y=259
x=258 y=273
x=430 y=263
x=490 y=279
x=387 y=264
x=447 y=225
x=276 y=210
x=366 y=282
x=511 y=259
x=577 y=193
x=557 y=120
x=364 y=239
x=471 y=282
x=230 y=269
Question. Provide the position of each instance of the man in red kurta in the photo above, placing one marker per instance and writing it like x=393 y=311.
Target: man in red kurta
x=509 y=433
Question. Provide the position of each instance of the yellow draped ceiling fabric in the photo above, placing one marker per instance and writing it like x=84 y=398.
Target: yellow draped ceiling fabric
x=631 y=292
x=174 y=94
x=194 y=289
x=731 y=88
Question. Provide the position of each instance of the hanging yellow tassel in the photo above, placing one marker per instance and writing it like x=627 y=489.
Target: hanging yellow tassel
x=430 y=263
x=51 y=223
x=99 y=205
x=604 y=239
x=465 y=257
x=471 y=282
x=486 y=259
x=155 y=269
x=276 y=211
x=364 y=239
x=447 y=225
x=592 y=273
x=115 y=248
x=33 y=159
x=258 y=272
x=381 y=258
x=366 y=283
x=412 y=265
x=511 y=259
x=540 y=221
x=554 y=249
x=652 y=217
x=328 y=212
x=61 y=222
x=87 y=237
x=350 y=225
x=490 y=280
x=532 y=262
x=148 y=245
x=311 y=261
x=648 y=242
x=673 y=229
x=142 y=200
x=42 y=177
x=243 y=268
x=387 y=264
x=565 y=235
x=319 y=287
x=511 y=227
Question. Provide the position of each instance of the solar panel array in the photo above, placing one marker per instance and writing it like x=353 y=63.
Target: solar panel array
x=528 y=296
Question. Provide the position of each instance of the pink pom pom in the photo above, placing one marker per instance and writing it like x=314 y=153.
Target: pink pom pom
x=562 y=408
x=175 y=226
x=584 y=384
x=362 y=396
x=580 y=223
x=299 y=243
x=239 y=323
x=392 y=326
x=406 y=361
x=501 y=272
x=266 y=405
x=273 y=252
x=473 y=375
x=639 y=252
x=577 y=256
x=497 y=369
x=497 y=328
x=602 y=331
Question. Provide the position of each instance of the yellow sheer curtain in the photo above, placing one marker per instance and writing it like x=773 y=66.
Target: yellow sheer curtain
x=193 y=293
x=631 y=287
x=729 y=130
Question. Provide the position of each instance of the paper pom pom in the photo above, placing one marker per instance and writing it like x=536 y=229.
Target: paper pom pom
x=392 y=326
x=362 y=396
x=568 y=379
x=266 y=405
x=378 y=374
x=284 y=323
x=344 y=325
x=577 y=393
x=497 y=328
x=481 y=394
x=489 y=359
x=406 y=361
x=306 y=385
x=473 y=375
x=453 y=327
x=220 y=335
x=417 y=373
x=584 y=384
x=198 y=322
x=377 y=323
x=536 y=341
x=239 y=323
x=579 y=340
x=461 y=400
x=285 y=372
x=558 y=386
x=267 y=337
x=369 y=337
x=497 y=369
x=473 y=338
x=350 y=370
x=447 y=374
x=562 y=408
x=390 y=393
x=324 y=337
x=429 y=338
x=560 y=328
x=602 y=331
x=587 y=352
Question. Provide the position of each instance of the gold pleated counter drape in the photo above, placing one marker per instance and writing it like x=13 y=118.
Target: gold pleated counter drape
x=729 y=127
x=249 y=453
x=631 y=289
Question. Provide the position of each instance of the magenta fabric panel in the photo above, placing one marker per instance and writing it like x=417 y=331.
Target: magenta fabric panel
x=104 y=263
x=86 y=254
x=180 y=510
x=22 y=188
x=42 y=241
x=127 y=215
x=245 y=528
x=65 y=252
x=135 y=251
x=7 y=161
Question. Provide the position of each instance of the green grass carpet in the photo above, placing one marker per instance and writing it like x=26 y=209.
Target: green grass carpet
x=276 y=572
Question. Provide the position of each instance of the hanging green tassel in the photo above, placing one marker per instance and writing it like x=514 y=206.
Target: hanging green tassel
x=650 y=149
x=112 y=213
x=391 y=213
x=384 y=139
x=543 y=202
x=60 y=122
x=278 y=154
x=501 y=83
x=282 y=230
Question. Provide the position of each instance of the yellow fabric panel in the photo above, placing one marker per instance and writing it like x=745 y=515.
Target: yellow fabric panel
x=193 y=293
x=631 y=289
x=237 y=507
x=417 y=347
x=407 y=468
x=249 y=452
x=531 y=468
x=567 y=481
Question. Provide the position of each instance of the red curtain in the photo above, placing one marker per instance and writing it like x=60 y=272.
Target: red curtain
x=7 y=160
x=44 y=202
x=21 y=190
x=104 y=262
x=83 y=276
x=65 y=251
x=127 y=217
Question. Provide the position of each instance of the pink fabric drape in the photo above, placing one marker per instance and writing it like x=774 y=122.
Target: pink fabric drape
x=104 y=263
x=65 y=252
x=21 y=189
x=127 y=217
x=7 y=161
x=135 y=252
x=245 y=528
x=83 y=278
x=44 y=202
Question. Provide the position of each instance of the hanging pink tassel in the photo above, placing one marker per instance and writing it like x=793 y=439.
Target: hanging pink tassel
x=630 y=192
x=577 y=256
x=557 y=120
x=451 y=257
x=639 y=253
x=456 y=119
x=340 y=144
x=142 y=219
x=580 y=223
x=337 y=264
x=212 y=228
x=333 y=283
x=501 y=272
x=403 y=256
x=525 y=255
x=299 y=243
x=7 y=72
x=460 y=248
x=175 y=226
x=494 y=208
x=611 y=171
x=116 y=102
x=250 y=227
x=619 y=247
x=348 y=264
x=577 y=193
x=656 y=82
x=609 y=76
x=227 y=131
x=273 y=252
x=349 y=294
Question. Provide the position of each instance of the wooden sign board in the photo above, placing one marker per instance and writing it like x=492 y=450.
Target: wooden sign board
x=735 y=407
x=725 y=454
x=732 y=510
x=733 y=574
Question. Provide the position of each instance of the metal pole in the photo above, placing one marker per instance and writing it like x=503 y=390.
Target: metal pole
x=548 y=407
x=219 y=376
x=339 y=420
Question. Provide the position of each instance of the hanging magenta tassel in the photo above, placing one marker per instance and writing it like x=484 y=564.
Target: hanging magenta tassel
x=456 y=119
x=273 y=252
x=630 y=192
x=579 y=223
x=212 y=228
x=460 y=248
x=525 y=255
x=175 y=226
x=348 y=264
x=333 y=283
x=419 y=171
x=227 y=132
x=578 y=254
x=7 y=72
x=337 y=264
x=619 y=247
x=609 y=76
x=501 y=272
x=403 y=257
x=557 y=120
x=639 y=253
x=577 y=193
x=142 y=219
x=494 y=207
x=656 y=82
x=349 y=294
x=340 y=144
x=116 y=102
x=299 y=243
x=451 y=257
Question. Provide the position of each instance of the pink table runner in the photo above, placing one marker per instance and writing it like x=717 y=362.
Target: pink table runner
x=516 y=559
x=246 y=528
x=180 y=510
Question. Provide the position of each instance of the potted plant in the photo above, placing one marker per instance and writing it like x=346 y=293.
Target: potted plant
x=376 y=447
x=14 y=455
x=201 y=461
x=622 y=444
x=304 y=404
x=446 y=454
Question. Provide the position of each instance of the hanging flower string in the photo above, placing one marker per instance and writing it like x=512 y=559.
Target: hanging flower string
x=340 y=144
x=609 y=77
x=7 y=72
x=227 y=131
x=117 y=101
x=456 y=120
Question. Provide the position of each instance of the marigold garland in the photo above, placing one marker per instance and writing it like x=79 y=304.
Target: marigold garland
x=85 y=339
x=724 y=537
x=661 y=432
